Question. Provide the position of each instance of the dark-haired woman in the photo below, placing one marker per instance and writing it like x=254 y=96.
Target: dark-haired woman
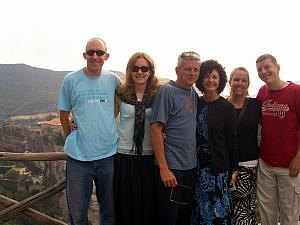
x=217 y=148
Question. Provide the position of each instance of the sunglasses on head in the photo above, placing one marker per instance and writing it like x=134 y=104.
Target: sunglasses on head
x=144 y=69
x=92 y=52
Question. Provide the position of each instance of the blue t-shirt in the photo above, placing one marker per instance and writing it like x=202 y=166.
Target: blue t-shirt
x=176 y=108
x=91 y=101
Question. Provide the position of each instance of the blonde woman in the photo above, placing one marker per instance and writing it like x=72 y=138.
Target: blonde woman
x=248 y=116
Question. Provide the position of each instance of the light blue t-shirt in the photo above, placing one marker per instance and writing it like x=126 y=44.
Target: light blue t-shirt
x=91 y=101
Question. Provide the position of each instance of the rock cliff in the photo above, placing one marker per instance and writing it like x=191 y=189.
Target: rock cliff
x=18 y=139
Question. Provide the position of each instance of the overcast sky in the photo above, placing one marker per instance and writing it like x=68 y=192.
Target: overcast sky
x=52 y=34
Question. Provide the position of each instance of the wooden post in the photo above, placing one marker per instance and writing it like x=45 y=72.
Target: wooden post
x=45 y=156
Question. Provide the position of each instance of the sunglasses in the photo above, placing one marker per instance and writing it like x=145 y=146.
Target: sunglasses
x=144 y=69
x=92 y=52
x=180 y=194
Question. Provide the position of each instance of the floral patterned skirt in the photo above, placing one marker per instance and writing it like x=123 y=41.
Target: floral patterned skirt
x=211 y=202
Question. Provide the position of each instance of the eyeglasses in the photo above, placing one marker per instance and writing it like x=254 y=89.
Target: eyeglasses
x=189 y=54
x=180 y=193
x=144 y=69
x=92 y=52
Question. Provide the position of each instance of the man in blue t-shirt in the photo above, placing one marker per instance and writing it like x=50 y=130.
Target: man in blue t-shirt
x=174 y=113
x=89 y=95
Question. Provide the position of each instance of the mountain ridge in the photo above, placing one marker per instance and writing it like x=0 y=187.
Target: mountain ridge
x=25 y=89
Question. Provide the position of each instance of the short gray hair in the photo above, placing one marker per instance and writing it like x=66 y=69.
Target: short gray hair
x=188 y=55
x=266 y=56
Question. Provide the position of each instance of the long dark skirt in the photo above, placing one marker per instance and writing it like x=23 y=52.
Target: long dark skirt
x=134 y=190
x=244 y=197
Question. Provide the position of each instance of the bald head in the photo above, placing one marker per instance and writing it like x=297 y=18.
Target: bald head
x=95 y=40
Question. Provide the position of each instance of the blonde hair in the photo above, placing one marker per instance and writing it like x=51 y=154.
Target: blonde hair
x=232 y=74
x=127 y=89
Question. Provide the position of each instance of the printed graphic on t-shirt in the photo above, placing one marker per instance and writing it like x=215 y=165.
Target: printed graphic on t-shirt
x=93 y=97
x=273 y=108
x=188 y=105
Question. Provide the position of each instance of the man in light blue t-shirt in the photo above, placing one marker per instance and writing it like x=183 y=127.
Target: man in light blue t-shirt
x=89 y=94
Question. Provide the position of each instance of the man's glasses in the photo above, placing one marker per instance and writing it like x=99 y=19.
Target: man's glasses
x=92 y=52
x=144 y=69
x=180 y=194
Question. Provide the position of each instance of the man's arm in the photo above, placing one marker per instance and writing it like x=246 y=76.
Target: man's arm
x=117 y=105
x=64 y=120
x=166 y=175
x=295 y=163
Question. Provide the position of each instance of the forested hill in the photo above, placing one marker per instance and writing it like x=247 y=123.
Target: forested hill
x=27 y=90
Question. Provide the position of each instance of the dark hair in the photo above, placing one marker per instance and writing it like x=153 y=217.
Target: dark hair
x=207 y=67
x=266 y=56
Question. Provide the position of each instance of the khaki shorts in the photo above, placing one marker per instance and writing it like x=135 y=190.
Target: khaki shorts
x=278 y=194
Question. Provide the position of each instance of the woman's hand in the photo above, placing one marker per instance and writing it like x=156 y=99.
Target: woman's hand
x=72 y=125
x=233 y=177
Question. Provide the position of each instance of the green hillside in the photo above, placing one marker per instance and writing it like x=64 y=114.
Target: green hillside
x=27 y=90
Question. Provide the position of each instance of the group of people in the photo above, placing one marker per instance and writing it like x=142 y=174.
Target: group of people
x=179 y=157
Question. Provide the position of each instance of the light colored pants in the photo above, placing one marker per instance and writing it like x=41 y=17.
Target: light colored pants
x=277 y=192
